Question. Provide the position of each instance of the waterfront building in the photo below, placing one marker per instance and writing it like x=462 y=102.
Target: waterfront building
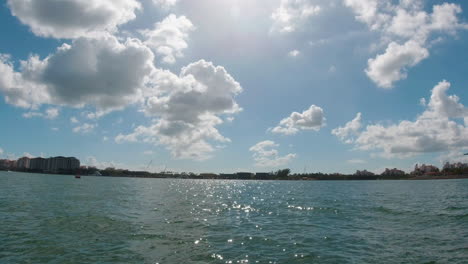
x=38 y=164
x=262 y=175
x=227 y=176
x=74 y=163
x=244 y=175
x=61 y=164
x=424 y=169
x=6 y=164
x=3 y=164
x=23 y=163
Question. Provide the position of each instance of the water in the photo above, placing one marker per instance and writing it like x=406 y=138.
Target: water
x=59 y=219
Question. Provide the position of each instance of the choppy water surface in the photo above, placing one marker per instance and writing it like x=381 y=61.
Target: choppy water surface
x=59 y=219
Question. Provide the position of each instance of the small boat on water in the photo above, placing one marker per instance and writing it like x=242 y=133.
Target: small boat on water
x=77 y=176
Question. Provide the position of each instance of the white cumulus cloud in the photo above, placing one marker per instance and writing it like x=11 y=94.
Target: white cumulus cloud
x=187 y=109
x=310 y=119
x=392 y=65
x=266 y=155
x=169 y=37
x=50 y=113
x=18 y=88
x=440 y=128
x=166 y=4
x=73 y=18
x=370 y=12
x=291 y=14
x=102 y=72
x=406 y=28
x=349 y=130
x=84 y=128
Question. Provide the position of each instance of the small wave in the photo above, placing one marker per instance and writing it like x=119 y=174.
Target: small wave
x=385 y=210
x=455 y=208
x=461 y=216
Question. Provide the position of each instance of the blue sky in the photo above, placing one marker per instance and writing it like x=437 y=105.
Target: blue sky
x=223 y=86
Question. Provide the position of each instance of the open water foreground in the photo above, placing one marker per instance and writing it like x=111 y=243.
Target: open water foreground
x=59 y=219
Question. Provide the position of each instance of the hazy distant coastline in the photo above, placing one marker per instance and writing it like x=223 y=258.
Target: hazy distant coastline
x=71 y=165
x=241 y=176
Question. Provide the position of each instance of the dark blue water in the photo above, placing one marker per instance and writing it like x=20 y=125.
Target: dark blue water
x=59 y=219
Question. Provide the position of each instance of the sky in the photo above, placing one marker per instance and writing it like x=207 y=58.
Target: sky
x=235 y=85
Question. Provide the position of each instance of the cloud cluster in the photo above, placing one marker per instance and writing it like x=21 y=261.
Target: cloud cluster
x=169 y=37
x=349 y=130
x=371 y=12
x=102 y=72
x=84 y=128
x=50 y=113
x=406 y=28
x=165 y=4
x=266 y=155
x=95 y=69
x=187 y=108
x=18 y=88
x=442 y=127
x=73 y=18
x=310 y=119
x=291 y=14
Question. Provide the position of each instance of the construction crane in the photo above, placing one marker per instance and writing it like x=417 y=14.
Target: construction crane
x=149 y=165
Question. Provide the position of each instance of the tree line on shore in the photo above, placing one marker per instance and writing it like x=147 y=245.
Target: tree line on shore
x=282 y=174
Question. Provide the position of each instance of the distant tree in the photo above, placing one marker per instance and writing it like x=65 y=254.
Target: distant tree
x=283 y=173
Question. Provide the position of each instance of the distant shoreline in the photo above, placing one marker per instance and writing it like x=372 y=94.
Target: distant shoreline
x=71 y=166
x=289 y=178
